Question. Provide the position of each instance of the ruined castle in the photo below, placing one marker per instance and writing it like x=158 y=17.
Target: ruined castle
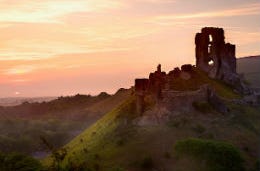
x=217 y=58
x=213 y=56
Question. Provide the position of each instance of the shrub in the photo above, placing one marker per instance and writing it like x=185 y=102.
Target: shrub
x=203 y=107
x=147 y=163
x=178 y=122
x=76 y=167
x=199 y=129
x=219 y=156
x=167 y=155
x=257 y=165
x=117 y=169
x=96 y=167
x=120 y=142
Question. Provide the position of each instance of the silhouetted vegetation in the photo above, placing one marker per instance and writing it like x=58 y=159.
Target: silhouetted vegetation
x=18 y=162
x=203 y=107
x=147 y=162
x=19 y=135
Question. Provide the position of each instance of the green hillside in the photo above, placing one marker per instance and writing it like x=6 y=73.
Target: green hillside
x=118 y=142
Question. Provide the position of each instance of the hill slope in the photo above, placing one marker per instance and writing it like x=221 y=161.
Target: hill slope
x=58 y=121
x=119 y=141
x=250 y=67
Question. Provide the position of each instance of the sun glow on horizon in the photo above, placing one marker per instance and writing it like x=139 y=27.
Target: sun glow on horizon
x=17 y=93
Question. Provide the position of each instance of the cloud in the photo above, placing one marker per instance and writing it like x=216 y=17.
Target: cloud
x=29 y=56
x=250 y=9
x=37 y=11
x=19 y=80
x=23 y=69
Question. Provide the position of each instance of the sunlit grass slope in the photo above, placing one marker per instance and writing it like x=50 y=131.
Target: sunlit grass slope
x=115 y=142
x=97 y=135
x=249 y=67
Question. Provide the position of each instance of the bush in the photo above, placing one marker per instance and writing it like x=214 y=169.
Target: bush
x=147 y=163
x=199 y=129
x=203 y=107
x=167 y=155
x=219 y=156
x=117 y=169
x=178 y=122
x=120 y=142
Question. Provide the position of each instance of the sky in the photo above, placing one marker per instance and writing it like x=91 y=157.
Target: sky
x=65 y=47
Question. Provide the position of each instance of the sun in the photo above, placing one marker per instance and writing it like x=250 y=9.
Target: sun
x=17 y=93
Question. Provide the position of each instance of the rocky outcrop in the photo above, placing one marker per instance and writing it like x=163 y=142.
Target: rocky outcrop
x=214 y=100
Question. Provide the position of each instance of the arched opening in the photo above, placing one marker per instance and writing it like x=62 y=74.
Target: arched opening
x=210 y=38
x=210 y=43
x=209 y=48
x=211 y=62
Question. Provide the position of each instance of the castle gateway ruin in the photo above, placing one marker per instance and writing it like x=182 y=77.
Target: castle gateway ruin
x=218 y=58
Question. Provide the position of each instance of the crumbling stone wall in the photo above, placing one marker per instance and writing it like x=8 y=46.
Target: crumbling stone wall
x=157 y=81
x=152 y=86
x=141 y=88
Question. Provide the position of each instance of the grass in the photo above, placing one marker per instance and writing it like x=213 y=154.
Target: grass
x=250 y=68
x=98 y=135
x=247 y=117
x=199 y=78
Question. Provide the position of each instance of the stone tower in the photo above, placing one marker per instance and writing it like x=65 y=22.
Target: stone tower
x=213 y=55
x=218 y=58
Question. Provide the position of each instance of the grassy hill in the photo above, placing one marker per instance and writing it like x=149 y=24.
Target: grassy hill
x=117 y=141
x=250 y=67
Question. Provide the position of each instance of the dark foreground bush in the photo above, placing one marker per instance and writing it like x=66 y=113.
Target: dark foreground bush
x=147 y=162
x=18 y=162
x=219 y=156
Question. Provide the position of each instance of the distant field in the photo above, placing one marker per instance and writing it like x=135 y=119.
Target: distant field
x=250 y=67
x=13 y=101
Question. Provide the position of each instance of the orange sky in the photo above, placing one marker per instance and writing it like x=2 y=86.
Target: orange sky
x=64 y=47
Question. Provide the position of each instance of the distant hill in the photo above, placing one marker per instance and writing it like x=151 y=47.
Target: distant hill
x=58 y=120
x=250 y=67
x=13 y=101
x=76 y=107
